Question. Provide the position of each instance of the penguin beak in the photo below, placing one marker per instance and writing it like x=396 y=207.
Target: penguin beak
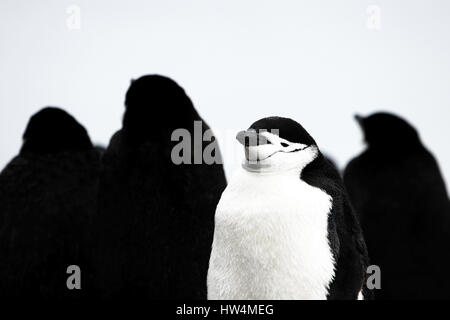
x=359 y=119
x=250 y=138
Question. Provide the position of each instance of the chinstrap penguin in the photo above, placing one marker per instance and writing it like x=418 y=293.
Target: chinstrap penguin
x=284 y=228
x=47 y=200
x=398 y=191
x=157 y=217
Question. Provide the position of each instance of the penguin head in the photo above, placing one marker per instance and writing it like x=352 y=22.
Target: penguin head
x=275 y=144
x=156 y=104
x=53 y=130
x=388 y=131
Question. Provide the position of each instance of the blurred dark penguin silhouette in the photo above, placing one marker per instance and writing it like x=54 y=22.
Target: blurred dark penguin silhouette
x=157 y=215
x=47 y=202
x=397 y=189
x=332 y=162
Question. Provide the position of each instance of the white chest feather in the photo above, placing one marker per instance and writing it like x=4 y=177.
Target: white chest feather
x=270 y=240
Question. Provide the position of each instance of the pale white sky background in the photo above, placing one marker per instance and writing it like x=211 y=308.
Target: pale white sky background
x=314 y=61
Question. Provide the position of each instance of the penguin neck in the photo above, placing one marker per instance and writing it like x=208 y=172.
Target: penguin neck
x=267 y=169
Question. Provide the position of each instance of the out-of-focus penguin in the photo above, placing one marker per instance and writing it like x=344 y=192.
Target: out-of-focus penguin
x=332 y=161
x=157 y=209
x=398 y=191
x=47 y=200
x=284 y=228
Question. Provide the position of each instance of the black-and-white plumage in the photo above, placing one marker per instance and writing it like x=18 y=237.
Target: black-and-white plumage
x=284 y=227
x=47 y=200
x=156 y=217
x=398 y=191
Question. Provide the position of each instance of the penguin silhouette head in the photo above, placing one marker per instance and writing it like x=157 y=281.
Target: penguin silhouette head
x=276 y=143
x=53 y=130
x=388 y=131
x=156 y=103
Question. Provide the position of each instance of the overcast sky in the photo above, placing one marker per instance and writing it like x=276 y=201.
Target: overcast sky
x=318 y=62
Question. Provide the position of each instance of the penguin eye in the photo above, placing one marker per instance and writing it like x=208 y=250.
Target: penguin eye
x=284 y=145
